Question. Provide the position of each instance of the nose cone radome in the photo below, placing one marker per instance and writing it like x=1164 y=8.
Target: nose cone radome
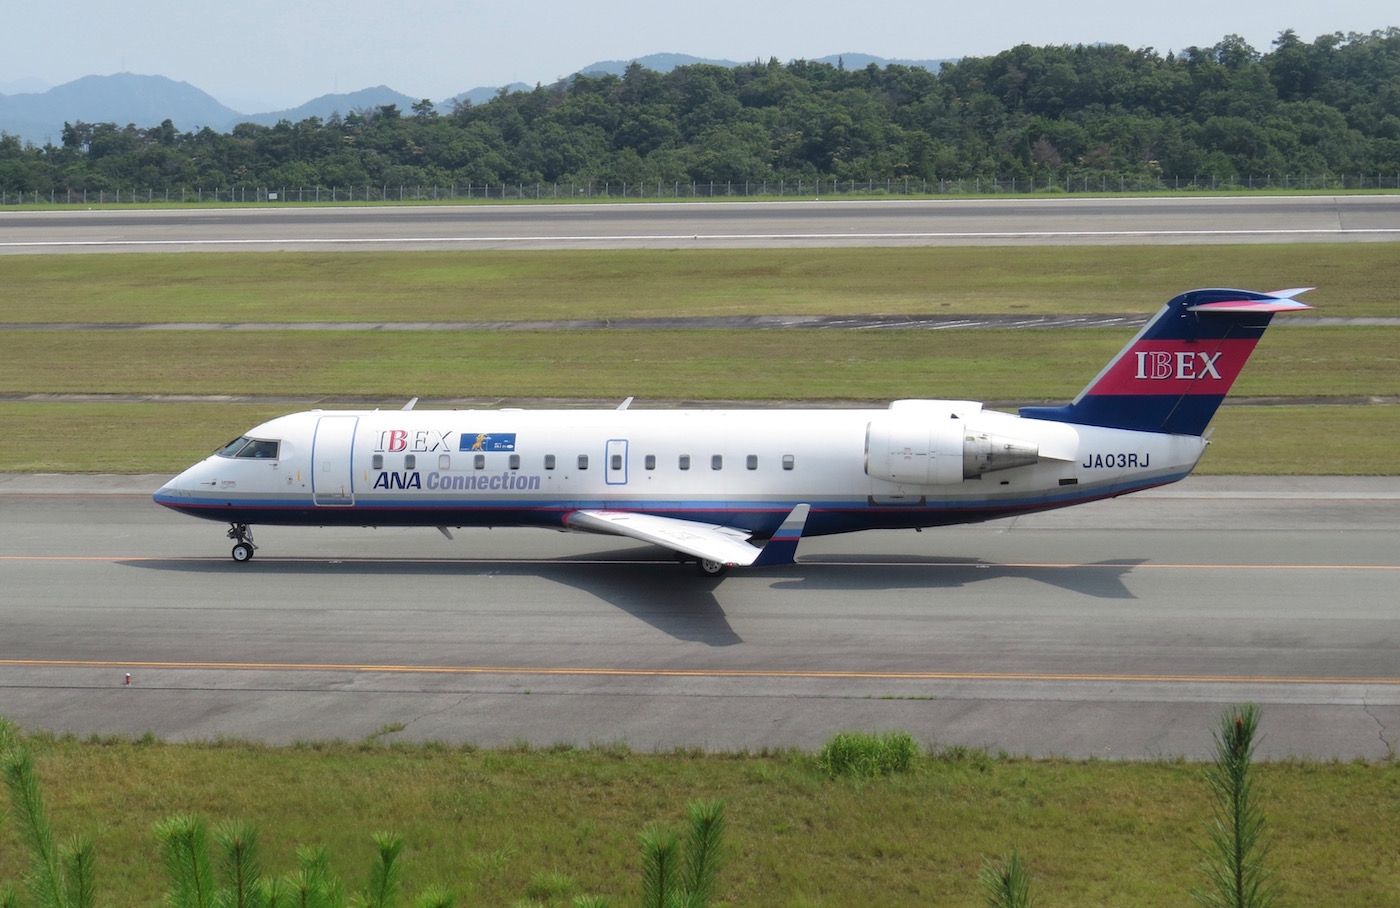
x=179 y=490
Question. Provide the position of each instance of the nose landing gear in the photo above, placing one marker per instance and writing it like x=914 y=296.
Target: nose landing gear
x=244 y=548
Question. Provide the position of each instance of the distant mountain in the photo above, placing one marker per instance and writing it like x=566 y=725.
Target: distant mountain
x=28 y=86
x=38 y=115
x=121 y=98
x=662 y=63
x=324 y=106
x=479 y=95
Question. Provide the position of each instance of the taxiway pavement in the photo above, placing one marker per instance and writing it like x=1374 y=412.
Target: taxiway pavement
x=1117 y=629
x=1103 y=220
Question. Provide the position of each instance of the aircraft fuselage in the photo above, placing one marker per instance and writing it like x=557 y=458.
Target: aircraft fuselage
x=906 y=466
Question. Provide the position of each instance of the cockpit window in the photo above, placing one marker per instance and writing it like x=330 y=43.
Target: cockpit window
x=232 y=448
x=262 y=450
x=250 y=447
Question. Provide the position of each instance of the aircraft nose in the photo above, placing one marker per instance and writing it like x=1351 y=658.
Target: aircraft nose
x=167 y=492
x=175 y=489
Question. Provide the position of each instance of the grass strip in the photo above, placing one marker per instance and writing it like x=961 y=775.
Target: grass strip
x=486 y=822
x=63 y=437
x=677 y=365
x=1354 y=279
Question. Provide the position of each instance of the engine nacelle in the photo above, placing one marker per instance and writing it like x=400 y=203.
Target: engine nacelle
x=925 y=450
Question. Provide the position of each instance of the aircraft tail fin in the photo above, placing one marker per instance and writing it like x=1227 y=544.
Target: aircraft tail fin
x=1172 y=377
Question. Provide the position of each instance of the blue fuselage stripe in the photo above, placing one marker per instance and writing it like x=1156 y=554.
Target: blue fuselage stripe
x=762 y=516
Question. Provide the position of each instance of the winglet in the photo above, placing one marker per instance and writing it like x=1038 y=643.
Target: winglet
x=782 y=548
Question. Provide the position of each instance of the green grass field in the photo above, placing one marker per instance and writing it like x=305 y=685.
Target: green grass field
x=1353 y=279
x=661 y=364
x=1303 y=363
x=485 y=823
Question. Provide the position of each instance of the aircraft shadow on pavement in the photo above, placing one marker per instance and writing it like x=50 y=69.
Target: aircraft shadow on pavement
x=1099 y=579
x=670 y=597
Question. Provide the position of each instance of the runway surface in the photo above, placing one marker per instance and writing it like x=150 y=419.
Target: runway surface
x=1117 y=629
x=1112 y=220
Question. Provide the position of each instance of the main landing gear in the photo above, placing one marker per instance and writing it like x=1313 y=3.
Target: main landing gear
x=244 y=548
x=706 y=567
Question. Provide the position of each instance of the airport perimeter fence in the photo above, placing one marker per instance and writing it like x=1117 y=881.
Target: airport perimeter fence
x=712 y=189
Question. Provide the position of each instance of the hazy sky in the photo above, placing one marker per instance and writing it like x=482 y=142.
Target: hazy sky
x=277 y=53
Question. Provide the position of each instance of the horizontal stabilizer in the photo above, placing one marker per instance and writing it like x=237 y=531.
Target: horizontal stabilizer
x=1276 y=301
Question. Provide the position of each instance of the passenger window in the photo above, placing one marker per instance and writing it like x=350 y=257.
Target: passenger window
x=515 y=461
x=479 y=461
x=615 y=462
x=549 y=461
x=788 y=461
x=651 y=462
x=376 y=462
x=684 y=462
x=717 y=462
x=410 y=462
x=583 y=461
x=751 y=462
x=444 y=461
x=262 y=450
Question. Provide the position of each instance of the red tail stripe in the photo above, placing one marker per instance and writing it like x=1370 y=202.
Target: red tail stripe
x=1176 y=368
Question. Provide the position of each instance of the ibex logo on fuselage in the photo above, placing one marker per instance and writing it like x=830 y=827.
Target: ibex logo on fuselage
x=1161 y=364
x=419 y=441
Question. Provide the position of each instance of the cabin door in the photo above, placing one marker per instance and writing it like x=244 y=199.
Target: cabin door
x=332 y=461
x=617 y=462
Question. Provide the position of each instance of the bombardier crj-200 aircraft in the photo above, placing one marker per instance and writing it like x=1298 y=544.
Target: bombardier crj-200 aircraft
x=727 y=488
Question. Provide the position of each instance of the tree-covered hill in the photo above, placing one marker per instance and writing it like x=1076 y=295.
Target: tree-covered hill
x=1332 y=105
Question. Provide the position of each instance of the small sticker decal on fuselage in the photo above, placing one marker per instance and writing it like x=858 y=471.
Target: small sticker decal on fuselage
x=1116 y=460
x=487 y=441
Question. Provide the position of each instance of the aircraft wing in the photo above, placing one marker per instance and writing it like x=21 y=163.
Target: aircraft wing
x=708 y=541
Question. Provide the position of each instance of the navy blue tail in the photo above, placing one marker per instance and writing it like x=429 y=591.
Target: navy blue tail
x=1172 y=377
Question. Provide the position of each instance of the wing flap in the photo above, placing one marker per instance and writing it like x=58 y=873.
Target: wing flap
x=702 y=540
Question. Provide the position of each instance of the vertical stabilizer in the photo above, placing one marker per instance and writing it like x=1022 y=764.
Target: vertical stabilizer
x=1172 y=377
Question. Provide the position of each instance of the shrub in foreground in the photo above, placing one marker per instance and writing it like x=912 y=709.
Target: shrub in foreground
x=868 y=754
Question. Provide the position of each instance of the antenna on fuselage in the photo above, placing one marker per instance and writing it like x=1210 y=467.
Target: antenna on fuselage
x=411 y=404
x=626 y=403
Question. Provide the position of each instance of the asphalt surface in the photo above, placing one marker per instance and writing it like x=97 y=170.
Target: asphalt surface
x=1117 y=629
x=1174 y=219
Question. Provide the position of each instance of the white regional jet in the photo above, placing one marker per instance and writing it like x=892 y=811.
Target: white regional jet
x=727 y=488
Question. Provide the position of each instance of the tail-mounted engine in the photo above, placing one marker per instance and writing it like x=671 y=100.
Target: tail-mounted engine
x=927 y=443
